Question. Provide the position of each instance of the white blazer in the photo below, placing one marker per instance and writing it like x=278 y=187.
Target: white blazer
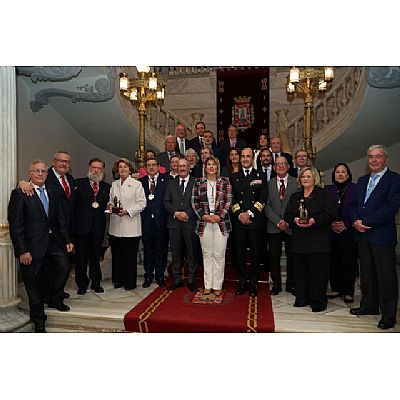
x=133 y=200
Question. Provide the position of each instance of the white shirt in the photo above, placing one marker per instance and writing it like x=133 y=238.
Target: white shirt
x=155 y=177
x=268 y=170
x=38 y=192
x=58 y=176
x=185 y=184
x=278 y=181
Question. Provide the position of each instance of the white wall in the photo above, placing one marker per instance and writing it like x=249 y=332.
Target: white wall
x=43 y=133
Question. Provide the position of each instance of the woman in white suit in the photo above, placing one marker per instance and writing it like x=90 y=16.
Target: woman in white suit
x=125 y=226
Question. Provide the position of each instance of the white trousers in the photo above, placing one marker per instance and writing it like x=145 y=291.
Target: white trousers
x=213 y=246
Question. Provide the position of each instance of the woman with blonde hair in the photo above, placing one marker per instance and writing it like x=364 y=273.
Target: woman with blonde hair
x=127 y=200
x=211 y=201
x=310 y=213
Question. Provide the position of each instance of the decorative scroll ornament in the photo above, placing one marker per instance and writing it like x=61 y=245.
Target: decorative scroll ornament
x=383 y=77
x=103 y=90
x=243 y=113
x=4 y=232
x=54 y=74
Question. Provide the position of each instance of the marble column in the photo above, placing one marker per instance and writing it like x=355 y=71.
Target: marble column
x=12 y=319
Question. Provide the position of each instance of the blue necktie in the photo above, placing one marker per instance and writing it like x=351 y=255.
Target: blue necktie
x=370 y=187
x=44 y=200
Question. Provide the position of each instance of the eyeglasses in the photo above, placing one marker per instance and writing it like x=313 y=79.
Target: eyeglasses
x=39 y=171
x=300 y=156
x=281 y=164
x=63 y=161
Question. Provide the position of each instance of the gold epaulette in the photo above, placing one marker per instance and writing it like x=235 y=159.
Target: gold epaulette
x=235 y=207
x=259 y=206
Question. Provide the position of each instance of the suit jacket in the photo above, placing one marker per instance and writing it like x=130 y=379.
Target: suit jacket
x=195 y=145
x=223 y=200
x=174 y=201
x=225 y=146
x=67 y=204
x=320 y=206
x=163 y=159
x=187 y=145
x=249 y=194
x=272 y=175
x=87 y=218
x=275 y=208
x=133 y=200
x=155 y=207
x=30 y=226
x=380 y=209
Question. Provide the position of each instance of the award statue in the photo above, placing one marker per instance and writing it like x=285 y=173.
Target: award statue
x=304 y=219
x=117 y=206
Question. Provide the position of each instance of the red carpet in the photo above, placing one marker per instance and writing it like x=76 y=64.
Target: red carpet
x=183 y=311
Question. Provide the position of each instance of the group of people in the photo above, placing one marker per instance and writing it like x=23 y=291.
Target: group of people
x=199 y=198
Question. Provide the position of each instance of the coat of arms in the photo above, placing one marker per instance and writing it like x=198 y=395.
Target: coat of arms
x=243 y=113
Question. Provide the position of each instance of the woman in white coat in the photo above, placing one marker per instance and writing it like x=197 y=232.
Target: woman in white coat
x=125 y=225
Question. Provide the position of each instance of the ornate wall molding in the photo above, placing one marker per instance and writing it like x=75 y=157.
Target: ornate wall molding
x=102 y=90
x=54 y=74
x=383 y=77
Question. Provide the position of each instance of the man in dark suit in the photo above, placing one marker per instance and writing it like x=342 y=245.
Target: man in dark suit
x=154 y=224
x=280 y=189
x=302 y=159
x=39 y=232
x=181 y=224
x=249 y=191
x=181 y=143
x=372 y=212
x=197 y=142
x=276 y=150
x=266 y=166
x=170 y=150
x=91 y=198
x=209 y=142
x=231 y=141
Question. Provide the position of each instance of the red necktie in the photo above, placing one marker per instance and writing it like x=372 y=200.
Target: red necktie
x=65 y=186
x=152 y=186
x=282 y=189
x=95 y=189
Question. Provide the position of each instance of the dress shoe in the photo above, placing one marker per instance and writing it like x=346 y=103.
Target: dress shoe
x=161 y=282
x=333 y=295
x=81 y=292
x=318 y=309
x=240 y=290
x=130 y=287
x=290 y=289
x=192 y=287
x=275 y=290
x=118 y=285
x=299 y=303
x=348 y=299
x=363 y=311
x=147 y=283
x=98 y=289
x=386 y=323
x=66 y=295
x=176 y=285
x=39 y=328
x=60 y=307
x=253 y=291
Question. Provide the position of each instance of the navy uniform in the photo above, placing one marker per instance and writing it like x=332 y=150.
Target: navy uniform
x=249 y=195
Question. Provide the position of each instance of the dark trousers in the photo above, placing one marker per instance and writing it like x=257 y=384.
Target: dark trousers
x=311 y=278
x=264 y=249
x=179 y=238
x=275 y=253
x=155 y=249
x=253 y=238
x=378 y=278
x=88 y=250
x=56 y=260
x=124 y=260
x=343 y=263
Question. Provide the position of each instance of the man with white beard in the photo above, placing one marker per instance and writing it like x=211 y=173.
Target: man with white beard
x=91 y=198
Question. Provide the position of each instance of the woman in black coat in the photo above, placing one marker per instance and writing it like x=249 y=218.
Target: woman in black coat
x=310 y=214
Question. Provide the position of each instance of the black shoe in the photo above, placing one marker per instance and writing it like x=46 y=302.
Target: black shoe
x=275 y=290
x=81 y=292
x=253 y=291
x=40 y=328
x=66 y=295
x=60 y=307
x=147 y=283
x=318 y=309
x=161 y=282
x=118 y=285
x=98 y=289
x=386 y=323
x=130 y=287
x=299 y=303
x=290 y=289
x=363 y=311
x=333 y=295
x=241 y=289
x=192 y=287
x=176 y=285
x=348 y=298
